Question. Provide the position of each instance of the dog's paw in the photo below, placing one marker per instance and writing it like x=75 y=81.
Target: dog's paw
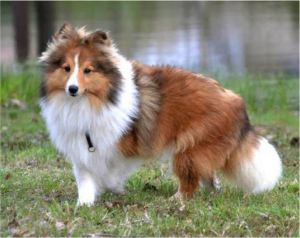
x=179 y=198
x=211 y=185
x=86 y=199
x=176 y=197
x=217 y=185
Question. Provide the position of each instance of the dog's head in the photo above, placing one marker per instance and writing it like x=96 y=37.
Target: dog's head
x=79 y=63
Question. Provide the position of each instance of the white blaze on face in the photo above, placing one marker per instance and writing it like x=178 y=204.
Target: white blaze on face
x=73 y=80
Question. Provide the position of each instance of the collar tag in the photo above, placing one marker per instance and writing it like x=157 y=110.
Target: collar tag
x=91 y=147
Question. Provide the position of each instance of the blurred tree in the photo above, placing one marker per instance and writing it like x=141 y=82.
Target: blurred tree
x=21 y=29
x=45 y=23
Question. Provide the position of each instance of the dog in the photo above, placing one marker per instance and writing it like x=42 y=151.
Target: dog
x=109 y=115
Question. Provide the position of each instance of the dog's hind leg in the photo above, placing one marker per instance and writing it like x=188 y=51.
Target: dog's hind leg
x=195 y=164
x=188 y=168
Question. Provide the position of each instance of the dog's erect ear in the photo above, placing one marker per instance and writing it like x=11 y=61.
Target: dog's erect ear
x=65 y=32
x=99 y=37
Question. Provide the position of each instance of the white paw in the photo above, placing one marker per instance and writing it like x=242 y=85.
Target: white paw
x=87 y=188
x=176 y=196
x=216 y=183
x=210 y=185
x=179 y=198
x=87 y=193
x=87 y=199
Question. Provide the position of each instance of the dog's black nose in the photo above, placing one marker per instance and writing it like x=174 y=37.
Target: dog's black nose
x=73 y=89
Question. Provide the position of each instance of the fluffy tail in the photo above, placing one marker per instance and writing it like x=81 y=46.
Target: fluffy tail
x=255 y=166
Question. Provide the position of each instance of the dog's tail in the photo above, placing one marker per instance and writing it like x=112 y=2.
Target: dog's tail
x=255 y=165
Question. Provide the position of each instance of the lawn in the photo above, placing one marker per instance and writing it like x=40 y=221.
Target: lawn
x=38 y=190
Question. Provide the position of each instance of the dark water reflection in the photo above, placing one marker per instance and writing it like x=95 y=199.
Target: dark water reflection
x=210 y=36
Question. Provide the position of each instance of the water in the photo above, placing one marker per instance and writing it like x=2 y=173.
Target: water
x=259 y=37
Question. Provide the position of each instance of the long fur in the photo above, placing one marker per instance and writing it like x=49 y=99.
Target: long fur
x=134 y=112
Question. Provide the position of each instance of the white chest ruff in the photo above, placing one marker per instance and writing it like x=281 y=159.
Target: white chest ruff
x=68 y=119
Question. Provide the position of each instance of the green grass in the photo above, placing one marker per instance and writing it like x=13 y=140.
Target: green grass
x=22 y=83
x=38 y=190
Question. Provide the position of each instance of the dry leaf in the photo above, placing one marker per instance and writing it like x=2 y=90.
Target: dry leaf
x=109 y=205
x=19 y=104
x=13 y=224
x=59 y=225
x=7 y=176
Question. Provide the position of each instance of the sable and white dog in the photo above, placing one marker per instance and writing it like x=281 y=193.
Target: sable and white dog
x=107 y=115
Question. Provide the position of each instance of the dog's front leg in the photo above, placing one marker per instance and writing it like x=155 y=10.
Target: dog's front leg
x=86 y=184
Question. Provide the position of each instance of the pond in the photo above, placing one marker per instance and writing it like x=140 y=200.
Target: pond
x=240 y=37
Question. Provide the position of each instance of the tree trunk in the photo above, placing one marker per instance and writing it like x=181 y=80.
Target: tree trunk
x=21 y=30
x=45 y=23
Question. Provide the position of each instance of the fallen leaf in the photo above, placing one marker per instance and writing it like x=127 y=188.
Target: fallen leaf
x=271 y=227
x=117 y=203
x=13 y=231
x=21 y=233
x=213 y=231
x=147 y=218
x=13 y=224
x=7 y=176
x=59 y=225
x=109 y=205
x=43 y=223
x=133 y=207
x=182 y=208
x=19 y=104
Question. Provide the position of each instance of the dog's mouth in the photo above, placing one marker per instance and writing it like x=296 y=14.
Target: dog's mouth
x=76 y=94
x=73 y=94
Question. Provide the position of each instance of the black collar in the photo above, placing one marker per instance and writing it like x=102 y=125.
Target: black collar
x=88 y=139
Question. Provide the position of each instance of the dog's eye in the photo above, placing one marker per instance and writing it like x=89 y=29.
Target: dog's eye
x=67 y=68
x=87 y=71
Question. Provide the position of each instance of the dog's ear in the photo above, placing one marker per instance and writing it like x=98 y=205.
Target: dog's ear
x=99 y=37
x=65 y=32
